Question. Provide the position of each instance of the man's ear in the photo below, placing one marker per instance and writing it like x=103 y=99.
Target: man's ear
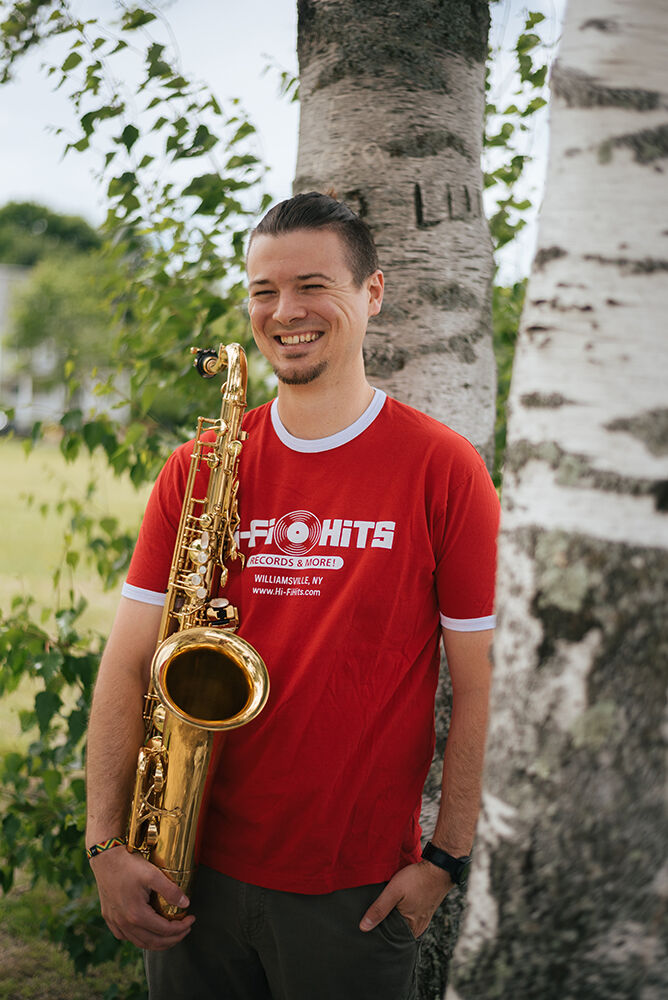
x=376 y=286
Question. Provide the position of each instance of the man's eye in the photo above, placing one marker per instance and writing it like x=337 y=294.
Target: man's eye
x=313 y=286
x=261 y=294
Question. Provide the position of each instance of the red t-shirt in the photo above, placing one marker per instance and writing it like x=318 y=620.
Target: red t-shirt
x=358 y=547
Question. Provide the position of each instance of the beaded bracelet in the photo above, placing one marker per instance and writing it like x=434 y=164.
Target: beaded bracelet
x=104 y=845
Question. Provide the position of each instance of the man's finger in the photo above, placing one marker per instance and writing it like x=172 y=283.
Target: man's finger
x=379 y=909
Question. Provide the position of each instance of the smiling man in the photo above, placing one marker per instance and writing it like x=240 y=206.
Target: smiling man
x=368 y=531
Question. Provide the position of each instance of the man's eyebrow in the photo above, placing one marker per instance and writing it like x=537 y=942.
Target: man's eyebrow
x=299 y=277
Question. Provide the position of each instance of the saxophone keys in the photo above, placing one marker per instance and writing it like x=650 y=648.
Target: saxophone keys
x=159 y=777
x=158 y=720
x=151 y=833
x=217 y=609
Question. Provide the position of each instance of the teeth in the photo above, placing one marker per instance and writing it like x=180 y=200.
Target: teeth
x=299 y=338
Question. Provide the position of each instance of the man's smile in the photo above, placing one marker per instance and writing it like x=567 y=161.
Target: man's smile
x=298 y=338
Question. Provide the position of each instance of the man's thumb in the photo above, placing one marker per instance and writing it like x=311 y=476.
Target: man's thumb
x=379 y=909
x=169 y=890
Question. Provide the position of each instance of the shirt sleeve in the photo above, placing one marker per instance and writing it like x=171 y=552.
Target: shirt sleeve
x=151 y=561
x=466 y=566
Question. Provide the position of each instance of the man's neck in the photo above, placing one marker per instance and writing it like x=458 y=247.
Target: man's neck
x=317 y=411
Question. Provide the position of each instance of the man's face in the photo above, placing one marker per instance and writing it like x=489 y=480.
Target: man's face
x=307 y=315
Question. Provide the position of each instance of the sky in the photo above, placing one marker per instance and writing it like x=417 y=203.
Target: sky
x=229 y=45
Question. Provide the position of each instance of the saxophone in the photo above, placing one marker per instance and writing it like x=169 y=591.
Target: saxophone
x=205 y=679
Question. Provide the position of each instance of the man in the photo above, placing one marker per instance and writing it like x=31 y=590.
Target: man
x=368 y=529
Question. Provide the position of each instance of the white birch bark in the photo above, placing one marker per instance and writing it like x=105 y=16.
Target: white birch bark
x=569 y=889
x=392 y=100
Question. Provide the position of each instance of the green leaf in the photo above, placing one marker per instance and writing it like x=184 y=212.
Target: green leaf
x=71 y=420
x=51 y=780
x=72 y=559
x=47 y=704
x=244 y=130
x=73 y=59
x=129 y=136
x=527 y=42
x=137 y=18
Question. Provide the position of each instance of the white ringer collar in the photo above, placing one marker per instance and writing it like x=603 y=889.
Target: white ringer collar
x=334 y=440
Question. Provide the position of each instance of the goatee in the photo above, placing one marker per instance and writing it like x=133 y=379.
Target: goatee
x=303 y=377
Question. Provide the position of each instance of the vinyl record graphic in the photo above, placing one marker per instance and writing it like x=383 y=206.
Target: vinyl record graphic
x=297 y=532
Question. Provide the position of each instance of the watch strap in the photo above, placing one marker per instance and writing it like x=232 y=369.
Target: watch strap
x=457 y=868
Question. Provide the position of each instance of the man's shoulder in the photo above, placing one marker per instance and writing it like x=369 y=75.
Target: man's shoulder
x=428 y=431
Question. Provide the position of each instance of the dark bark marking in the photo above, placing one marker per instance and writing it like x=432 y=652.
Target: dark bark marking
x=575 y=470
x=546 y=254
x=648 y=265
x=420 y=220
x=661 y=496
x=382 y=358
x=650 y=427
x=600 y=24
x=357 y=201
x=580 y=90
x=541 y=401
x=449 y=297
x=363 y=39
x=461 y=346
x=429 y=143
x=648 y=145
x=560 y=307
x=460 y=206
x=532 y=330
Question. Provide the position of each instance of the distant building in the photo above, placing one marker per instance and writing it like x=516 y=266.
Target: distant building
x=20 y=391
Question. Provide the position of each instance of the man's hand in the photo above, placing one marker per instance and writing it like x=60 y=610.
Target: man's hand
x=416 y=891
x=125 y=882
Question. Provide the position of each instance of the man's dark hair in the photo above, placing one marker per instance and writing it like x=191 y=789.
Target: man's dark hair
x=320 y=211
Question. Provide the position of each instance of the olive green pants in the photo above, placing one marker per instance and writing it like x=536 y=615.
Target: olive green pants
x=249 y=943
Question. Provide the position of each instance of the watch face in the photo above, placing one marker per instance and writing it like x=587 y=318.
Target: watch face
x=461 y=874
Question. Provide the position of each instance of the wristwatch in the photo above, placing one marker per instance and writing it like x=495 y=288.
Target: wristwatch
x=457 y=868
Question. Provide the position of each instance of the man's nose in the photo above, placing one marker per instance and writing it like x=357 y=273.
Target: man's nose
x=289 y=308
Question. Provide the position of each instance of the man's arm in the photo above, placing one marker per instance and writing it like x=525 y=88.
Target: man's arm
x=419 y=889
x=115 y=734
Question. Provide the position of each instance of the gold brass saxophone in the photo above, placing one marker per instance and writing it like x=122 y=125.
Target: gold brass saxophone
x=204 y=678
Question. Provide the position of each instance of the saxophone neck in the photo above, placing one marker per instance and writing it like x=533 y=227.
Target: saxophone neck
x=237 y=372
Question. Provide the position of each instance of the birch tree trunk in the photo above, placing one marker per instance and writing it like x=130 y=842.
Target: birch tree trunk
x=392 y=99
x=569 y=890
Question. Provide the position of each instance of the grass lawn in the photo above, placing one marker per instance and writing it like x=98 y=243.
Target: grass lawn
x=31 y=968
x=33 y=545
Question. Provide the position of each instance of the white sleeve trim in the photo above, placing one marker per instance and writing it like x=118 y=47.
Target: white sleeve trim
x=468 y=624
x=145 y=596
